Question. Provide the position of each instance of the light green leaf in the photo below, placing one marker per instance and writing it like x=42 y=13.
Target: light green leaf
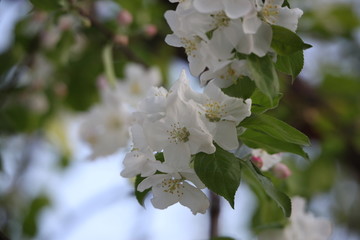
x=275 y=128
x=292 y=64
x=220 y=172
x=263 y=72
x=261 y=103
x=286 y=42
x=282 y=200
x=255 y=139
x=109 y=64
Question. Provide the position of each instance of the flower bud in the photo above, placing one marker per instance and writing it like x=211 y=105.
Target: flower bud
x=281 y=171
x=124 y=18
x=150 y=30
x=257 y=161
x=121 y=40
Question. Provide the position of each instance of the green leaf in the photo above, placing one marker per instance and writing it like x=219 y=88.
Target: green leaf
x=275 y=128
x=261 y=103
x=282 y=200
x=286 y=42
x=109 y=65
x=286 y=4
x=220 y=172
x=30 y=224
x=255 y=139
x=243 y=88
x=47 y=5
x=263 y=72
x=140 y=196
x=292 y=64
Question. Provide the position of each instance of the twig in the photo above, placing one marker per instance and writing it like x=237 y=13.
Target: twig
x=214 y=214
x=108 y=34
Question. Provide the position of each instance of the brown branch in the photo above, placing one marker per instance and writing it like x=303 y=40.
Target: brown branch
x=108 y=34
x=214 y=215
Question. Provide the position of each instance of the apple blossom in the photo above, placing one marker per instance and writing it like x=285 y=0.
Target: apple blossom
x=302 y=225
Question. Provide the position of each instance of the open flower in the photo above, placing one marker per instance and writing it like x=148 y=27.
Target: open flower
x=174 y=187
x=222 y=114
x=273 y=13
x=232 y=8
x=267 y=160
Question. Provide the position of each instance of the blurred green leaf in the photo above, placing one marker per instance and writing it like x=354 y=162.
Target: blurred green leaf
x=47 y=5
x=282 y=200
x=30 y=224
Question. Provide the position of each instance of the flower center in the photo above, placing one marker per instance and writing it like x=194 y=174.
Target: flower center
x=114 y=122
x=270 y=12
x=135 y=88
x=220 y=19
x=189 y=45
x=214 y=111
x=178 y=134
x=173 y=186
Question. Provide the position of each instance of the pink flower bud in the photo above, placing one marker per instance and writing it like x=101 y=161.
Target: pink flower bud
x=124 y=18
x=257 y=161
x=282 y=171
x=150 y=30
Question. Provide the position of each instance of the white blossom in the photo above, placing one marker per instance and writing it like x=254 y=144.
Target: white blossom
x=137 y=82
x=273 y=13
x=222 y=114
x=105 y=129
x=268 y=160
x=173 y=187
x=302 y=225
x=232 y=8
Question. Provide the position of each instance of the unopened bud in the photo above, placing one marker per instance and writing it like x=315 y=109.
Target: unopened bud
x=60 y=89
x=150 y=30
x=124 y=18
x=121 y=40
x=282 y=171
x=257 y=161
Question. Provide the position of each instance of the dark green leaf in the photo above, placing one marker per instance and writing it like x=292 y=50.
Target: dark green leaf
x=263 y=72
x=243 y=88
x=220 y=172
x=47 y=5
x=286 y=4
x=261 y=103
x=282 y=200
x=140 y=196
x=292 y=64
x=255 y=139
x=286 y=42
x=275 y=128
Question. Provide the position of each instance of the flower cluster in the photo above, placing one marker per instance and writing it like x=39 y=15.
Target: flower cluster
x=216 y=33
x=180 y=123
x=106 y=127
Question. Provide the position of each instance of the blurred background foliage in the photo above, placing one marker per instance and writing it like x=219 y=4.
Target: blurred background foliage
x=56 y=58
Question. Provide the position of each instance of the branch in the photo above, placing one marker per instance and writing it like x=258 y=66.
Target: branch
x=108 y=34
